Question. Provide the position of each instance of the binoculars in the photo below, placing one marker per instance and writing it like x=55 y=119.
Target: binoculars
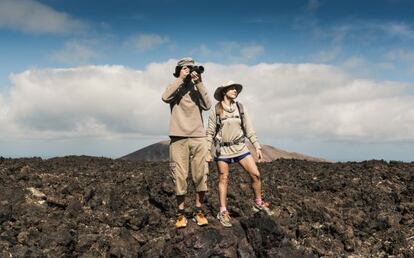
x=198 y=69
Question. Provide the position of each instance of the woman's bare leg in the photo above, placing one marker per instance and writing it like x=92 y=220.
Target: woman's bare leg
x=249 y=165
x=223 y=169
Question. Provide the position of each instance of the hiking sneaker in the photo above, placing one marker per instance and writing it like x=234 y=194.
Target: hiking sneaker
x=264 y=207
x=224 y=218
x=200 y=218
x=181 y=221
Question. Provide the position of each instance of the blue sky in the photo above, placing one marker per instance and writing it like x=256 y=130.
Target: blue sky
x=341 y=73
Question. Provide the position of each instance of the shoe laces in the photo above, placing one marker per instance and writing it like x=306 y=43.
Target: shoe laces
x=180 y=217
x=265 y=204
x=200 y=214
x=226 y=215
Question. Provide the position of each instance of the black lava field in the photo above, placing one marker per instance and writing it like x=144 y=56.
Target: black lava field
x=80 y=206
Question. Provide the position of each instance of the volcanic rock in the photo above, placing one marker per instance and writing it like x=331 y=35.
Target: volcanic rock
x=99 y=207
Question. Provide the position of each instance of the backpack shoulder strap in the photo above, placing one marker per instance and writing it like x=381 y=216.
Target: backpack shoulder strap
x=218 y=120
x=242 y=118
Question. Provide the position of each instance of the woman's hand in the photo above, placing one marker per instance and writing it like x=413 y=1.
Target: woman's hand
x=259 y=155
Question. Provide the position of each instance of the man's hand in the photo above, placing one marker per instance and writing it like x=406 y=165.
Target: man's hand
x=209 y=158
x=259 y=155
x=195 y=77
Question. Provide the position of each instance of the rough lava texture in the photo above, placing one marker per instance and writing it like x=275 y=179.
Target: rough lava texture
x=99 y=207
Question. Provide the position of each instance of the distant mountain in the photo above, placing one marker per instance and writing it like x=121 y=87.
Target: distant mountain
x=154 y=152
x=159 y=152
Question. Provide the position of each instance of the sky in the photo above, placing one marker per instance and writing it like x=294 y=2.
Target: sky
x=331 y=79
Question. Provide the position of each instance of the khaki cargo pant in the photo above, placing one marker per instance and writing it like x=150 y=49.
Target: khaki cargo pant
x=186 y=152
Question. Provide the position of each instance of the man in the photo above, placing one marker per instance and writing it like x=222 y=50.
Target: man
x=187 y=97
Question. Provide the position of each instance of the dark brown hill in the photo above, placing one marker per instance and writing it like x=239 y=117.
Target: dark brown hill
x=159 y=152
x=97 y=207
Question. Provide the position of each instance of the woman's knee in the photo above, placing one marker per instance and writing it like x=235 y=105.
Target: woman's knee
x=255 y=174
x=224 y=177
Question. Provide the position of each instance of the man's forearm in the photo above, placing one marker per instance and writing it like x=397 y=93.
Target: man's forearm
x=171 y=90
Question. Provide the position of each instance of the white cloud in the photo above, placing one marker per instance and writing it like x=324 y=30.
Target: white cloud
x=310 y=100
x=400 y=54
x=366 y=31
x=354 y=62
x=361 y=67
x=339 y=38
x=232 y=52
x=403 y=58
x=145 y=42
x=3 y=112
x=75 y=52
x=33 y=16
x=284 y=100
x=328 y=55
x=102 y=101
x=401 y=30
x=251 y=52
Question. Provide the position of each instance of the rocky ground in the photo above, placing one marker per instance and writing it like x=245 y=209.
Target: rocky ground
x=98 y=207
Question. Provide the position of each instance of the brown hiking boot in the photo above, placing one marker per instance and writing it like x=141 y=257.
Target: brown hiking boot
x=181 y=221
x=200 y=218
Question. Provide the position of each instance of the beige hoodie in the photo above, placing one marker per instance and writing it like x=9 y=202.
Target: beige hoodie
x=186 y=102
x=231 y=130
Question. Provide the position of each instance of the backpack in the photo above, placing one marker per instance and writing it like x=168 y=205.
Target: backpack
x=219 y=124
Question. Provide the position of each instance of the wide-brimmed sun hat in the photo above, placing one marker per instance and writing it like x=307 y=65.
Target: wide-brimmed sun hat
x=218 y=94
x=186 y=61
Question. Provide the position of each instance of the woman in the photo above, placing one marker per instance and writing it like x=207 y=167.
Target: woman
x=228 y=126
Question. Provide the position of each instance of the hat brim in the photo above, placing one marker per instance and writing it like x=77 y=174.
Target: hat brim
x=218 y=94
x=186 y=64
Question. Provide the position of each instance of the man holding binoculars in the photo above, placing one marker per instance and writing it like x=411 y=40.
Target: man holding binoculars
x=187 y=97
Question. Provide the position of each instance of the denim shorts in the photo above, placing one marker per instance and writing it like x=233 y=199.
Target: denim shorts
x=234 y=159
